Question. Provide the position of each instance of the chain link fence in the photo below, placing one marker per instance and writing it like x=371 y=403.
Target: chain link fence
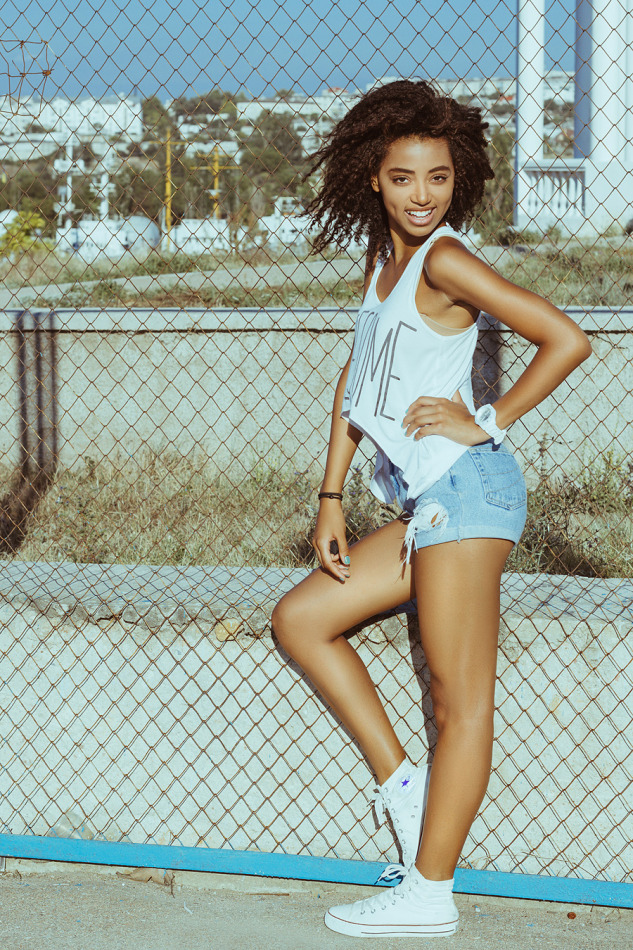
x=169 y=346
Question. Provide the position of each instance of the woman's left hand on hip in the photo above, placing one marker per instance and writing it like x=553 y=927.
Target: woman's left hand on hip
x=451 y=418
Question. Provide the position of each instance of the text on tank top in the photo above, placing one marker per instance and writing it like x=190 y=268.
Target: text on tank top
x=398 y=356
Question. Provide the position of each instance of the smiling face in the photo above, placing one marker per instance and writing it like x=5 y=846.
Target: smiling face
x=415 y=182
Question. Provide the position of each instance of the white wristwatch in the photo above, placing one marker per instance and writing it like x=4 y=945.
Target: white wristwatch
x=486 y=419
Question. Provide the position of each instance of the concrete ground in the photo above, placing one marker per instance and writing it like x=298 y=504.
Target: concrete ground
x=81 y=907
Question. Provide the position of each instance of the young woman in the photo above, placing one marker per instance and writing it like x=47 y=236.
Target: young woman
x=406 y=167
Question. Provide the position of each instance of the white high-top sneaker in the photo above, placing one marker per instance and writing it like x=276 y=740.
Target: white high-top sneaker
x=415 y=907
x=404 y=796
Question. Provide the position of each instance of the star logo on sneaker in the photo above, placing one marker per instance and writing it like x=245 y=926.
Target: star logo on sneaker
x=405 y=782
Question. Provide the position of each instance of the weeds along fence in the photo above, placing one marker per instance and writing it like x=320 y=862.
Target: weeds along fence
x=169 y=346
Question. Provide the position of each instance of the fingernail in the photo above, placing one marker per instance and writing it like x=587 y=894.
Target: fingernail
x=347 y=559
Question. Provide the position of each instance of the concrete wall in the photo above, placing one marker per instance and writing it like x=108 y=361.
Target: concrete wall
x=152 y=704
x=242 y=385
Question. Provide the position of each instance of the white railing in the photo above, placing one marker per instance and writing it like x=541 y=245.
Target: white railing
x=551 y=193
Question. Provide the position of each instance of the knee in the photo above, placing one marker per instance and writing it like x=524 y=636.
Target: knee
x=284 y=623
x=466 y=705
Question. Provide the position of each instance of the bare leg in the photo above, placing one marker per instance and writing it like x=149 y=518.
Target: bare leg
x=311 y=619
x=457 y=588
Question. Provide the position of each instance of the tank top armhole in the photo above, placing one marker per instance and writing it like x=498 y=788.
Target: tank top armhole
x=445 y=231
x=448 y=232
x=378 y=266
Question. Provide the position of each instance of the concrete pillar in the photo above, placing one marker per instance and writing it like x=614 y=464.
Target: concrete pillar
x=608 y=134
x=529 y=105
x=604 y=107
x=604 y=91
x=628 y=96
x=583 y=79
x=530 y=73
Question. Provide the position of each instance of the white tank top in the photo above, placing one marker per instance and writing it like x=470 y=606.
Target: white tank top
x=396 y=358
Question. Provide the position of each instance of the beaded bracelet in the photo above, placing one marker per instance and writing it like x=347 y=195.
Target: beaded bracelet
x=331 y=494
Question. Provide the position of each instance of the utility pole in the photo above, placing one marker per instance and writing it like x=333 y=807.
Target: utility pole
x=216 y=168
x=168 y=187
x=215 y=165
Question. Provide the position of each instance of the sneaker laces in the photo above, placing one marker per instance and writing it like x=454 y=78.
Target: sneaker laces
x=379 y=902
x=391 y=873
x=372 y=904
x=381 y=802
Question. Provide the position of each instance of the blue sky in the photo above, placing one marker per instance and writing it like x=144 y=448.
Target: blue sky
x=185 y=48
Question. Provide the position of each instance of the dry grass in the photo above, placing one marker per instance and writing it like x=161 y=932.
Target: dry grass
x=45 y=265
x=314 y=294
x=577 y=276
x=581 y=525
x=568 y=274
x=166 y=509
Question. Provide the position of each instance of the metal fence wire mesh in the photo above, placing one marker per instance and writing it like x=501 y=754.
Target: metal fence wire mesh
x=169 y=346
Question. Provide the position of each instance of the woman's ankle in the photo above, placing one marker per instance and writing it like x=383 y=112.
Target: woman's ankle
x=387 y=772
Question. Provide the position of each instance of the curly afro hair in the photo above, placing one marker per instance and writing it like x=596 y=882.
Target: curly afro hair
x=346 y=206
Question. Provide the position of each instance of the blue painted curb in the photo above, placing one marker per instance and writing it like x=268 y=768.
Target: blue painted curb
x=175 y=857
x=303 y=868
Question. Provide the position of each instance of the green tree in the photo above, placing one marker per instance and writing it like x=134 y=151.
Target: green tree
x=140 y=188
x=194 y=188
x=140 y=191
x=495 y=219
x=231 y=202
x=273 y=162
x=156 y=118
x=23 y=234
x=214 y=102
x=32 y=188
x=85 y=199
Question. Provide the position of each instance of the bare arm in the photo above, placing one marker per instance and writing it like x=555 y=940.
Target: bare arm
x=330 y=524
x=562 y=345
x=344 y=439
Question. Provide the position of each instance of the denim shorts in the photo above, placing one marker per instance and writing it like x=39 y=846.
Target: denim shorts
x=482 y=495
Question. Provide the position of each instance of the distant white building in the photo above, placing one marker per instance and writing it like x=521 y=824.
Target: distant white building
x=495 y=90
x=314 y=115
x=195 y=236
x=250 y=111
x=110 y=238
x=227 y=148
x=113 y=117
x=54 y=122
x=288 y=228
x=195 y=126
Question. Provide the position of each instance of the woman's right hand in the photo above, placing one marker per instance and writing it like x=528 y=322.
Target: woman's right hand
x=329 y=534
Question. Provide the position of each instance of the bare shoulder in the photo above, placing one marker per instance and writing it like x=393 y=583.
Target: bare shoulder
x=464 y=277
x=452 y=267
x=448 y=253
